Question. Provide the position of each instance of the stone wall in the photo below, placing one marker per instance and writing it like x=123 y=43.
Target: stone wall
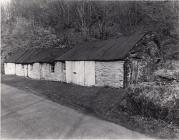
x=109 y=73
x=9 y=68
x=142 y=61
x=57 y=75
x=139 y=71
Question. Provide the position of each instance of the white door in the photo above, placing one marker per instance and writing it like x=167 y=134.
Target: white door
x=68 y=71
x=78 y=72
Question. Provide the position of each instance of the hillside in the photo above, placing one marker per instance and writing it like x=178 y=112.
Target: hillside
x=57 y=23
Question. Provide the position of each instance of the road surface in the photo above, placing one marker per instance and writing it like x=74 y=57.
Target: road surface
x=25 y=115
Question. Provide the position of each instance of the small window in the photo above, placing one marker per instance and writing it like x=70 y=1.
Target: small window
x=53 y=67
x=63 y=66
x=22 y=66
x=31 y=67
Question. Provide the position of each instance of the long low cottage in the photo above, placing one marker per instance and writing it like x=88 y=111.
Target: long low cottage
x=115 y=62
x=37 y=63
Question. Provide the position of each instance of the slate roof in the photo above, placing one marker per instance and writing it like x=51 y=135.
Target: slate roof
x=113 y=49
x=24 y=56
x=15 y=55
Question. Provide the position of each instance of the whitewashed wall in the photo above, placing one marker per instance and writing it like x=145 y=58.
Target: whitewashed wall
x=9 y=68
x=109 y=73
x=26 y=70
x=85 y=73
x=80 y=72
x=57 y=75
x=34 y=72
x=19 y=70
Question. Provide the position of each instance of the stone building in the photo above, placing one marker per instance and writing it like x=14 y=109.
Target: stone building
x=115 y=62
x=10 y=63
x=9 y=68
x=37 y=63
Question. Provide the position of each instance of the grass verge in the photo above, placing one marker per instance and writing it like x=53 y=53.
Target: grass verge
x=106 y=103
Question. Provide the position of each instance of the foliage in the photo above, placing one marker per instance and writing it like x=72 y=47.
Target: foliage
x=52 y=23
x=98 y=19
x=150 y=100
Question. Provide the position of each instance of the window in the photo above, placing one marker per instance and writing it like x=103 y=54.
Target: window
x=22 y=66
x=53 y=67
x=63 y=66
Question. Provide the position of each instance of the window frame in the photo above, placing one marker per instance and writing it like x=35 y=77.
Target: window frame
x=52 y=67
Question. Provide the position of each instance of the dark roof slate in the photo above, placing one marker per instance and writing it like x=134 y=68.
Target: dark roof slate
x=15 y=55
x=113 y=49
x=24 y=56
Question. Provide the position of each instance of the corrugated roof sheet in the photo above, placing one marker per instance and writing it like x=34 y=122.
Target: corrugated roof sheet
x=113 y=49
x=36 y=55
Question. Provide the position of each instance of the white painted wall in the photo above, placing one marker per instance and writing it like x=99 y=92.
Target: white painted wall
x=38 y=71
x=9 y=68
x=20 y=70
x=34 y=70
x=85 y=73
x=80 y=72
x=57 y=75
x=26 y=70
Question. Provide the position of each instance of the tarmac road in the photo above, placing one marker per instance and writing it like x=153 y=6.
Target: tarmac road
x=25 y=115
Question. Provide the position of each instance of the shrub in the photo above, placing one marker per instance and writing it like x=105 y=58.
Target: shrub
x=160 y=102
x=168 y=75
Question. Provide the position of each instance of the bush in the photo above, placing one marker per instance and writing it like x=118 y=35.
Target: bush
x=160 y=102
x=169 y=75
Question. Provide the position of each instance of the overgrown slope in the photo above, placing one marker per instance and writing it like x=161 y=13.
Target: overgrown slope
x=57 y=23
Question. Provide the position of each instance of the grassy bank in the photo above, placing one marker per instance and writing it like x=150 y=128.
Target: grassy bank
x=106 y=103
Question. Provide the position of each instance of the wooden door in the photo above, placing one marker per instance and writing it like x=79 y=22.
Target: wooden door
x=78 y=72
